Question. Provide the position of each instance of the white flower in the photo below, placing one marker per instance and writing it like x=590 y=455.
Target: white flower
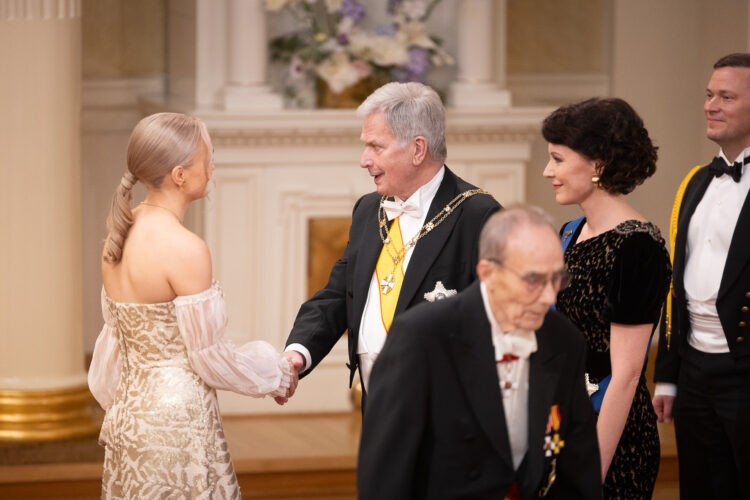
x=334 y=6
x=412 y=33
x=389 y=52
x=413 y=9
x=382 y=50
x=345 y=25
x=441 y=57
x=338 y=72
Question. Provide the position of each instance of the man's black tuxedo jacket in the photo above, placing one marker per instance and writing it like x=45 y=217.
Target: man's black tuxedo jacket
x=733 y=301
x=448 y=254
x=434 y=425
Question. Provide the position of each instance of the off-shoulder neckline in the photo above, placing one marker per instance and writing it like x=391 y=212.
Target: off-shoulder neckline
x=179 y=299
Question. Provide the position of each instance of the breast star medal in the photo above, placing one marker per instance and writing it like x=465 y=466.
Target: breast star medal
x=439 y=293
x=591 y=387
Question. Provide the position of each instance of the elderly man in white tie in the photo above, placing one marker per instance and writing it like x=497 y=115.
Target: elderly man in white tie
x=483 y=395
x=413 y=240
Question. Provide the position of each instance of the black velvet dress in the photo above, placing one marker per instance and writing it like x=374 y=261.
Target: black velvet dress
x=620 y=276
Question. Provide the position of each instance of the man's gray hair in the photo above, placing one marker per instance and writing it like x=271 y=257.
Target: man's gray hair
x=411 y=109
x=500 y=227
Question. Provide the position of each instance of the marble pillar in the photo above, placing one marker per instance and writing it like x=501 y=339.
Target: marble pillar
x=43 y=390
x=481 y=73
x=247 y=58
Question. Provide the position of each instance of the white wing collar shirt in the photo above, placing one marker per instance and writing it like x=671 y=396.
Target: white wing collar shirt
x=513 y=375
x=709 y=236
x=412 y=214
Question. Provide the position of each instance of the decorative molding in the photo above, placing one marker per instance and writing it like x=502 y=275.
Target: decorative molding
x=284 y=138
x=38 y=10
x=299 y=136
x=297 y=207
x=492 y=135
x=31 y=416
x=350 y=137
x=115 y=105
x=557 y=89
x=231 y=228
x=505 y=179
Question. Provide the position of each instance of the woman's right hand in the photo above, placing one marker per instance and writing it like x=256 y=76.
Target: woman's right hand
x=296 y=362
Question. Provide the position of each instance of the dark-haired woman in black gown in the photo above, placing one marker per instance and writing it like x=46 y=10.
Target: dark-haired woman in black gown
x=599 y=151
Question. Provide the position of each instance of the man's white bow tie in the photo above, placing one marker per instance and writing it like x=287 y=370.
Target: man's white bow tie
x=395 y=209
x=520 y=343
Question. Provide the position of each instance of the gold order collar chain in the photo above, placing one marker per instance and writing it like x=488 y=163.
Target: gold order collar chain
x=398 y=255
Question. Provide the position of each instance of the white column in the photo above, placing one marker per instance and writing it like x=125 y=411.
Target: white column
x=481 y=35
x=247 y=58
x=43 y=390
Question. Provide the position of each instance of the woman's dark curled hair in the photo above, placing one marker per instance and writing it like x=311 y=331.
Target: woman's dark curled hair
x=607 y=130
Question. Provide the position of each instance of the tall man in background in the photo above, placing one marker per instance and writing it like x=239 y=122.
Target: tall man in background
x=703 y=366
x=415 y=239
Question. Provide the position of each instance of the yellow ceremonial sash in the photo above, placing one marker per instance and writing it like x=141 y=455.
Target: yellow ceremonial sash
x=389 y=277
x=672 y=239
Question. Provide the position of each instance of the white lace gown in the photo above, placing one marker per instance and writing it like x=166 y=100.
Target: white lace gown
x=155 y=369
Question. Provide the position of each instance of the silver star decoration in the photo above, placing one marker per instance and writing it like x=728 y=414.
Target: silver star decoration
x=439 y=293
x=591 y=388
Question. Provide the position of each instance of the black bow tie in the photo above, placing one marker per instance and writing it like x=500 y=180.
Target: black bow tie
x=719 y=167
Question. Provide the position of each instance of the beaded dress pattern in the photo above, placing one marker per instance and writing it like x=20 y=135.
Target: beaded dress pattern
x=163 y=434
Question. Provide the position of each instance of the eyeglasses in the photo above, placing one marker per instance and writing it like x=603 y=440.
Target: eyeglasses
x=535 y=282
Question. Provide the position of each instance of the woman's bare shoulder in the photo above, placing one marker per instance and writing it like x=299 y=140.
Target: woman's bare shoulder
x=159 y=250
x=189 y=269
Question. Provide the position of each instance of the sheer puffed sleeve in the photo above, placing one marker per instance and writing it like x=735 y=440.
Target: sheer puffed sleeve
x=254 y=369
x=104 y=372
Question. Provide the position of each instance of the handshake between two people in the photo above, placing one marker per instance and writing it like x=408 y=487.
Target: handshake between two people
x=296 y=362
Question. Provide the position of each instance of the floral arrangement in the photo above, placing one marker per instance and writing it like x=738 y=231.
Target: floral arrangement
x=330 y=42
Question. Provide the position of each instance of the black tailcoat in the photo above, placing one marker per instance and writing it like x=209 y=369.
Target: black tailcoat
x=447 y=254
x=434 y=426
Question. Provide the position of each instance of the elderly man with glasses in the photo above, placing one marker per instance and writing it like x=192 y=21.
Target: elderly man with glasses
x=482 y=395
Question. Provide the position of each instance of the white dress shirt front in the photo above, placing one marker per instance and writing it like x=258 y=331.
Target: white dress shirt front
x=709 y=236
x=371 y=330
x=514 y=380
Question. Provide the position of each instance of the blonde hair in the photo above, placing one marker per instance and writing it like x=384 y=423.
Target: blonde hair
x=157 y=144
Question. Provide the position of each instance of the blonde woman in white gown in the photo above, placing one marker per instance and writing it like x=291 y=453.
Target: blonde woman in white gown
x=161 y=354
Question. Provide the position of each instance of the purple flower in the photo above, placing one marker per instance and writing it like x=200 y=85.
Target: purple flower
x=343 y=39
x=385 y=30
x=418 y=63
x=350 y=8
